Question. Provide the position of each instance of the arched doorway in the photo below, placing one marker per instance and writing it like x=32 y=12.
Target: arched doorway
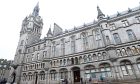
x=76 y=74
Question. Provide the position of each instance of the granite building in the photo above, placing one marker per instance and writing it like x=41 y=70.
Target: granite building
x=108 y=47
x=4 y=68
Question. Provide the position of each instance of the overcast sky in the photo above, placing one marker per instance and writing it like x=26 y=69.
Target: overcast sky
x=66 y=13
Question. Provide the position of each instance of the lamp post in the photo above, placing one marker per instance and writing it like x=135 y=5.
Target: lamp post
x=46 y=78
x=14 y=73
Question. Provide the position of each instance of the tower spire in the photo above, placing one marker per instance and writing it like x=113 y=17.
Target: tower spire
x=49 y=34
x=36 y=10
x=100 y=13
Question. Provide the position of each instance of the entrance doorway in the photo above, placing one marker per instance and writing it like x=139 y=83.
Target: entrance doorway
x=76 y=74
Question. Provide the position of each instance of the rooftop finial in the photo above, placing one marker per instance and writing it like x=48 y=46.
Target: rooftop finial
x=36 y=10
x=100 y=14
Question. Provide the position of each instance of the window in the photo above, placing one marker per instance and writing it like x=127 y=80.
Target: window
x=44 y=45
x=37 y=56
x=112 y=26
x=90 y=71
x=38 y=47
x=33 y=49
x=138 y=19
x=117 y=38
x=98 y=38
x=28 y=50
x=44 y=54
x=85 y=42
x=105 y=70
x=53 y=74
x=62 y=47
x=85 y=59
x=131 y=35
x=125 y=23
x=123 y=52
x=134 y=49
x=73 y=44
x=107 y=40
x=53 y=49
x=63 y=73
x=126 y=67
x=42 y=75
x=100 y=56
x=95 y=58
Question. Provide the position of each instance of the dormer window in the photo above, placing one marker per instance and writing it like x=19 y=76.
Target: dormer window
x=33 y=49
x=125 y=23
x=38 y=47
x=112 y=26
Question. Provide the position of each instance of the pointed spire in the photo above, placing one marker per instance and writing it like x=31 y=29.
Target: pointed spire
x=36 y=10
x=49 y=34
x=100 y=14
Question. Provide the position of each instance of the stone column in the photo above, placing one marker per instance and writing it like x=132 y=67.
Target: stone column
x=70 y=77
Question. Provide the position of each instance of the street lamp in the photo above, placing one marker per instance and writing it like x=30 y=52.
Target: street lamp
x=14 y=73
x=46 y=69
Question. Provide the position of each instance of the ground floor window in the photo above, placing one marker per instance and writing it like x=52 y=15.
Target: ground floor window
x=90 y=71
x=105 y=70
x=126 y=67
x=53 y=75
x=63 y=73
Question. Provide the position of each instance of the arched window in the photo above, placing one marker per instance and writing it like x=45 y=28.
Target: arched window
x=53 y=49
x=73 y=44
x=104 y=56
x=107 y=40
x=42 y=75
x=89 y=58
x=24 y=76
x=76 y=60
x=124 y=52
x=90 y=71
x=134 y=49
x=68 y=62
x=129 y=52
x=85 y=58
x=95 y=58
x=62 y=47
x=53 y=74
x=105 y=70
x=126 y=67
x=61 y=63
x=98 y=38
x=63 y=73
x=85 y=41
x=64 y=61
x=29 y=76
x=118 y=53
x=80 y=59
x=131 y=35
x=72 y=61
x=100 y=56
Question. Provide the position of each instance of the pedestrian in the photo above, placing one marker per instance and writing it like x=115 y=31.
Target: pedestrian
x=66 y=81
x=81 y=80
x=101 y=78
x=90 y=80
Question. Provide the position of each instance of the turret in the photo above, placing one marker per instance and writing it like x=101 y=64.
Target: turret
x=100 y=14
x=49 y=34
